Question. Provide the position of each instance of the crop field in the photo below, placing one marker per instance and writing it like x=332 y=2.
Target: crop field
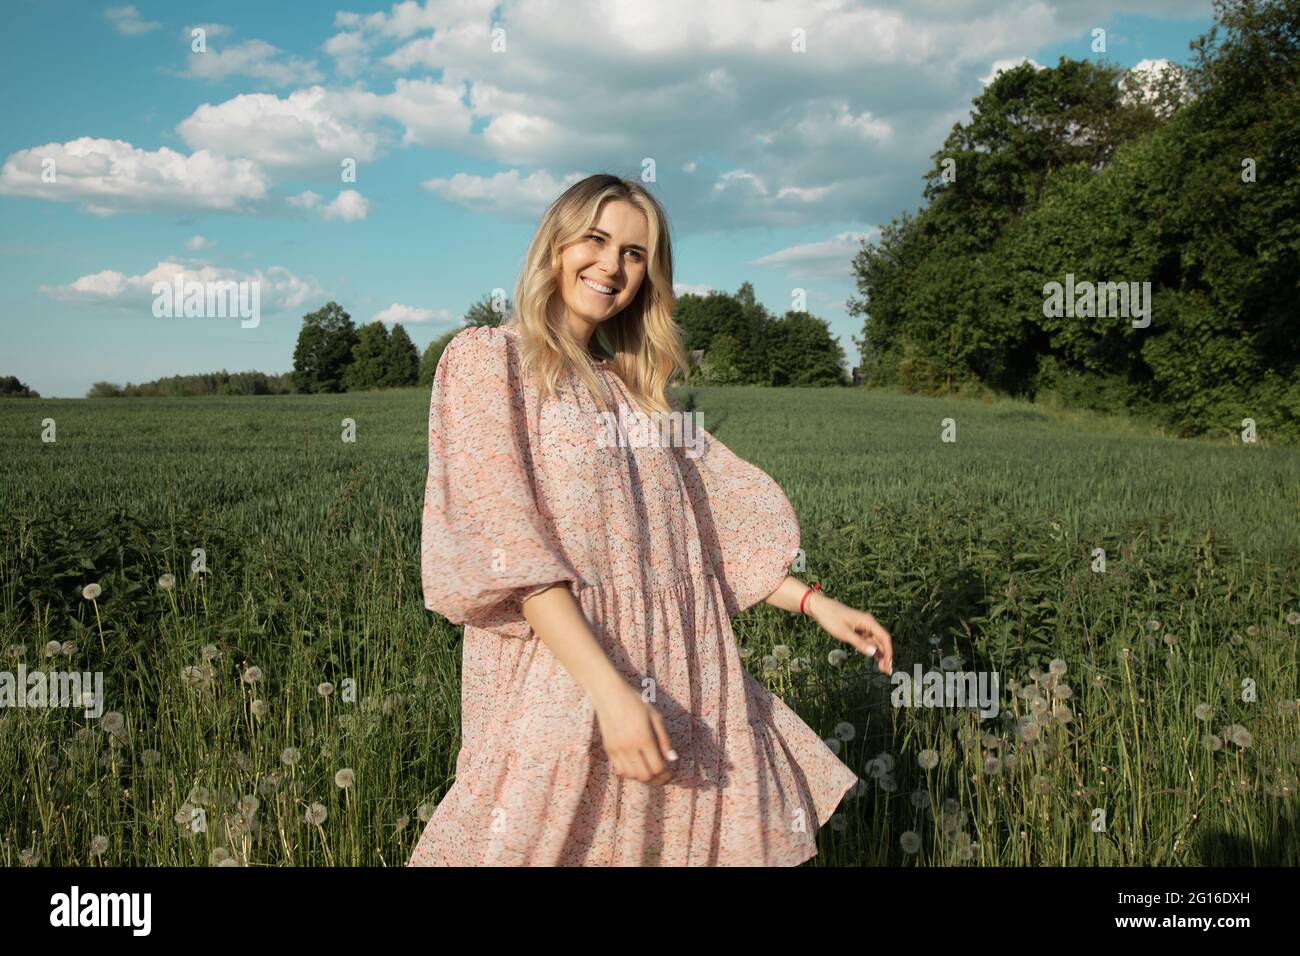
x=291 y=701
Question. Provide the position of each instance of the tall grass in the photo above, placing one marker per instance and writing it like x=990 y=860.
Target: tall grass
x=977 y=554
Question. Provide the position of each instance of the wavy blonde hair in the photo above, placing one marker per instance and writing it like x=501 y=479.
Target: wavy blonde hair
x=642 y=342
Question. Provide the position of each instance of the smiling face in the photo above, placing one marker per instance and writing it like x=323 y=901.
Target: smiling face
x=601 y=272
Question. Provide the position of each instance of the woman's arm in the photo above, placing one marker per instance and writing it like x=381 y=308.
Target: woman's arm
x=856 y=628
x=560 y=624
x=632 y=731
x=787 y=595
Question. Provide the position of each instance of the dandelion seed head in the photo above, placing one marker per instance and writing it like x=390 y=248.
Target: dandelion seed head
x=928 y=759
x=1252 y=631
x=51 y=649
x=252 y=675
x=290 y=756
x=781 y=652
x=424 y=811
x=91 y=591
x=259 y=708
x=113 y=721
x=1203 y=711
x=194 y=676
x=98 y=845
x=324 y=689
x=345 y=778
x=166 y=582
x=910 y=841
x=845 y=731
x=1293 y=618
x=315 y=814
x=1058 y=667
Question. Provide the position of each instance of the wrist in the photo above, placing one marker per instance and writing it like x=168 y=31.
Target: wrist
x=816 y=604
x=606 y=686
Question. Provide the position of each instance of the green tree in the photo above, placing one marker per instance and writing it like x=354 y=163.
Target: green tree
x=483 y=313
x=324 y=349
x=803 y=352
x=402 y=362
x=369 y=366
x=432 y=353
x=10 y=387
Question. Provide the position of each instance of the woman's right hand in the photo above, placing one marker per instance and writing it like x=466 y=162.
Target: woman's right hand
x=634 y=736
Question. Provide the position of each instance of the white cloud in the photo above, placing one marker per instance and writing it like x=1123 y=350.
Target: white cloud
x=253 y=58
x=306 y=131
x=279 y=289
x=688 y=288
x=350 y=52
x=409 y=314
x=197 y=244
x=349 y=206
x=408 y=18
x=110 y=176
x=828 y=259
x=506 y=194
x=128 y=22
x=305 y=200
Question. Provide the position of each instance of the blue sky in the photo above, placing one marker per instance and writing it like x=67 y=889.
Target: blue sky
x=225 y=164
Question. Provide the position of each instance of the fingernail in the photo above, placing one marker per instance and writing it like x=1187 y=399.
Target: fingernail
x=672 y=755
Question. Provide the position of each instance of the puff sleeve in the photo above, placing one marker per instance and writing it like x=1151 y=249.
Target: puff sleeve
x=748 y=528
x=484 y=543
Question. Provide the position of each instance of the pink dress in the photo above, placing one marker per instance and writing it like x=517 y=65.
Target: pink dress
x=661 y=547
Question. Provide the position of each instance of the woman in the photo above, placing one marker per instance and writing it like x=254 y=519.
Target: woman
x=607 y=719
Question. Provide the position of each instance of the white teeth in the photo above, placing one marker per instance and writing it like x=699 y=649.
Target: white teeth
x=599 y=288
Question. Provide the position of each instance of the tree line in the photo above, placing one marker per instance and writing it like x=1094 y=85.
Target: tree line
x=1073 y=174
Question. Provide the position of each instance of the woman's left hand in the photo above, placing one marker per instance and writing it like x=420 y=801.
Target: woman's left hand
x=855 y=628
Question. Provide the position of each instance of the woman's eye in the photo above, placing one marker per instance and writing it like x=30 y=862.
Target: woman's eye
x=595 y=238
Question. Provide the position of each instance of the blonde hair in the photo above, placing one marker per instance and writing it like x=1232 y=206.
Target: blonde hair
x=642 y=342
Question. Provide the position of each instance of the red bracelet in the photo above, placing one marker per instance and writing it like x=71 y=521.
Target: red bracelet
x=816 y=586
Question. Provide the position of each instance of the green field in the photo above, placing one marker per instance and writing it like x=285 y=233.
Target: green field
x=981 y=549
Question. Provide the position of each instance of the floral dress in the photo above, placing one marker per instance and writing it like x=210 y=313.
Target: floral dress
x=661 y=544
